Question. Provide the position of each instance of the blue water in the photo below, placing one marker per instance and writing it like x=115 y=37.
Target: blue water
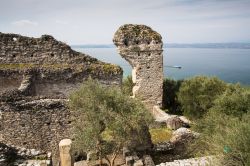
x=231 y=65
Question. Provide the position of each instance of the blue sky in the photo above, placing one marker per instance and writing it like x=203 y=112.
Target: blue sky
x=95 y=21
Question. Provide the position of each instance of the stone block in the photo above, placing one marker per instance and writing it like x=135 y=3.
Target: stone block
x=65 y=152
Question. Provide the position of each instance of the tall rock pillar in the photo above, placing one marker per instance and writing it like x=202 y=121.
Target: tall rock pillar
x=142 y=48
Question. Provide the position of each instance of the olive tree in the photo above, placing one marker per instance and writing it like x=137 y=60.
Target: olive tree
x=234 y=101
x=106 y=120
x=197 y=94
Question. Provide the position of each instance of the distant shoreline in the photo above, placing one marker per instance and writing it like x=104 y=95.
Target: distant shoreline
x=178 y=45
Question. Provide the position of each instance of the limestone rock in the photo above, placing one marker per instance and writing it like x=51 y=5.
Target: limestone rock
x=181 y=137
x=181 y=134
x=65 y=152
x=200 y=161
x=185 y=120
x=138 y=163
x=172 y=121
x=148 y=161
x=142 y=48
x=163 y=146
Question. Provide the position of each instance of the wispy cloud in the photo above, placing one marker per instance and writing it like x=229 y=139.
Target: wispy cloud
x=24 y=23
x=95 y=21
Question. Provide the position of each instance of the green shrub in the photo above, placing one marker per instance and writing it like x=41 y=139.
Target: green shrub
x=106 y=119
x=170 y=101
x=226 y=136
x=197 y=94
x=127 y=86
x=234 y=101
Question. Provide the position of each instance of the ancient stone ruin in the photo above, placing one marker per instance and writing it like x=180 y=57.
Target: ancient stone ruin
x=36 y=77
x=142 y=48
x=48 y=66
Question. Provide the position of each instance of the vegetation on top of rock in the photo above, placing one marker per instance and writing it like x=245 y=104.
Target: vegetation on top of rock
x=130 y=33
x=93 y=68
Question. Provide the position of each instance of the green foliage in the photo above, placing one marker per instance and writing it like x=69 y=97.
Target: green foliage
x=170 y=101
x=127 y=85
x=100 y=110
x=226 y=136
x=234 y=101
x=197 y=94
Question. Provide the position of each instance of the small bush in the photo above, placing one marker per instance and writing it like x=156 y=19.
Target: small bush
x=234 y=101
x=197 y=94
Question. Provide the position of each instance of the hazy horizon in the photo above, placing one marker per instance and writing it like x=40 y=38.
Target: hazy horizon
x=87 y=22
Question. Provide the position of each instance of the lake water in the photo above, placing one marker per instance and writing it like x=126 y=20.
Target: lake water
x=231 y=65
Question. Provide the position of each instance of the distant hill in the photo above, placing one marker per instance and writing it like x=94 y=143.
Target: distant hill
x=177 y=45
x=208 y=45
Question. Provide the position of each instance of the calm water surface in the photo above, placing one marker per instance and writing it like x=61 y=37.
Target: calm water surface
x=231 y=65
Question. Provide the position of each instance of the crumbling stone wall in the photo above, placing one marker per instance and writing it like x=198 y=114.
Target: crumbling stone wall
x=15 y=48
x=35 y=123
x=142 y=48
x=56 y=69
x=10 y=82
x=36 y=77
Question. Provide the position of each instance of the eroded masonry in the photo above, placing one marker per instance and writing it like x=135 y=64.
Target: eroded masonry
x=142 y=48
x=36 y=77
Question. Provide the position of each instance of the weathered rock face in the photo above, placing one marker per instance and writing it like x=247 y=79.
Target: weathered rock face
x=142 y=48
x=45 y=50
x=180 y=139
x=34 y=122
x=55 y=69
x=36 y=77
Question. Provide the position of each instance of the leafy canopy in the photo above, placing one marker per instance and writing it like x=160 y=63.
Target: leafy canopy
x=197 y=94
x=105 y=118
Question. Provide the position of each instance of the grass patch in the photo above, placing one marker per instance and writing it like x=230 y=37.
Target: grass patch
x=92 y=68
x=160 y=134
x=157 y=134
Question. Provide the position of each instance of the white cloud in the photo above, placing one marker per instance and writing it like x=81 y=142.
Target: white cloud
x=84 y=21
x=24 y=23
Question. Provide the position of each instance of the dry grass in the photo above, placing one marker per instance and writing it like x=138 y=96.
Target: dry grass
x=160 y=134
